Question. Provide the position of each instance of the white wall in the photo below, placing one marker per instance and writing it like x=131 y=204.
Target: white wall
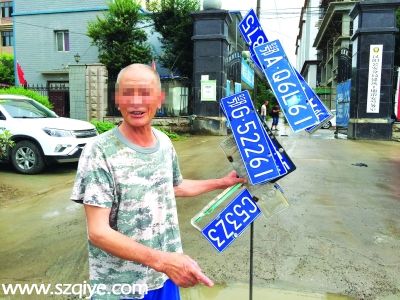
x=309 y=31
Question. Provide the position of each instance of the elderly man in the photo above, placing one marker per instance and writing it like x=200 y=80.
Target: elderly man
x=127 y=180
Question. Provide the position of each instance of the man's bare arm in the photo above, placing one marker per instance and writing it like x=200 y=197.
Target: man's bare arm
x=180 y=268
x=196 y=187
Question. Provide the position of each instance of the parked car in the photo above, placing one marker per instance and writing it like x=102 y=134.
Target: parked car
x=331 y=122
x=40 y=135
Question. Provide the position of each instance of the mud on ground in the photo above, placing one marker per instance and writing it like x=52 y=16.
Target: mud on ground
x=340 y=235
x=8 y=193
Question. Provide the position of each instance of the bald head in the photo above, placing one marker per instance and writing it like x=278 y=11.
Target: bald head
x=135 y=69
x=138 y=84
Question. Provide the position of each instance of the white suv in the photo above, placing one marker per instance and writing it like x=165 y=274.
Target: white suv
x=40 y=135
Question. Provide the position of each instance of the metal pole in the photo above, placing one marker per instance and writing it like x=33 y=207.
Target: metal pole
x=252 y=224
x=251 y=260
x=255 y=75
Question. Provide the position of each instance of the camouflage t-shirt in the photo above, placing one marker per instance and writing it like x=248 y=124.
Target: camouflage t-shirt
x=137 y=184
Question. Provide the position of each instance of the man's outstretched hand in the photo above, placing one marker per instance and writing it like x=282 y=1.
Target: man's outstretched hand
x=189 y=187
x=182 y=270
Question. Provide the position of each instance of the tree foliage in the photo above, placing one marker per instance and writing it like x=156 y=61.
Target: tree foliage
x=264 y=93
x=173 y=21
x=118 y=36
x=7 y=69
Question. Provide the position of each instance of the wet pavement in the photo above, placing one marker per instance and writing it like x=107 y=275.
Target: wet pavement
x=42 y=232
x=241 y=291
x=339 y=237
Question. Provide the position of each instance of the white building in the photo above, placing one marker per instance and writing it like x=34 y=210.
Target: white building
x=307 y=63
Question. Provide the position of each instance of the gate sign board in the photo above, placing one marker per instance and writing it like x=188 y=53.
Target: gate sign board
x=374 y=78
x=250 y=138
x=286 y=86
x=231 y=221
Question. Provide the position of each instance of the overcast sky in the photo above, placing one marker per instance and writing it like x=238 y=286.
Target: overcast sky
x=279 y=19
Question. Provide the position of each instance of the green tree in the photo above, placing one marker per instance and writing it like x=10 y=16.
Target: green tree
x=264 y=93
x=7 y=69
x=173 y=21
x=119 y=37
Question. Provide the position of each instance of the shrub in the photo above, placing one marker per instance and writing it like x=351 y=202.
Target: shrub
x=6 y=69
x=5 y=142
x=102 y=126
x=28 y=93
x=172 y=135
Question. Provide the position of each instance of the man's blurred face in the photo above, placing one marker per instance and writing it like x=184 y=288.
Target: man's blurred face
x=138 y=96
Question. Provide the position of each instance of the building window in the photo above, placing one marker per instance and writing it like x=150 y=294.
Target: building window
x=6 y=9
x=62 y=40
x=7 y=38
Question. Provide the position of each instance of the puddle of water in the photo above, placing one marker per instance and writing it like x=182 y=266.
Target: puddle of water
x=241 y=291
x=73 y=207
x=51 y=214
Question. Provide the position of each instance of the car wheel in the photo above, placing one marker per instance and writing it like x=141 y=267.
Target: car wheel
x=27 y=157
x=327 y=125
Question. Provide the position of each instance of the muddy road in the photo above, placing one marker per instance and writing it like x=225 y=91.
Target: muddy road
x=340 y=235
x=42 y=232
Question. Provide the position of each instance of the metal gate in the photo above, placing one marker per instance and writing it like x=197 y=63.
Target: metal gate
x=58 y=94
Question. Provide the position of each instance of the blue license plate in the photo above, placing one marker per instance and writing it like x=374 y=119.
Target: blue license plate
x=282 y=160
x=320 y=110
x=274 y=151
x=286 y=86
x=250 y=138
x=254 y=35
x=231 y=221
